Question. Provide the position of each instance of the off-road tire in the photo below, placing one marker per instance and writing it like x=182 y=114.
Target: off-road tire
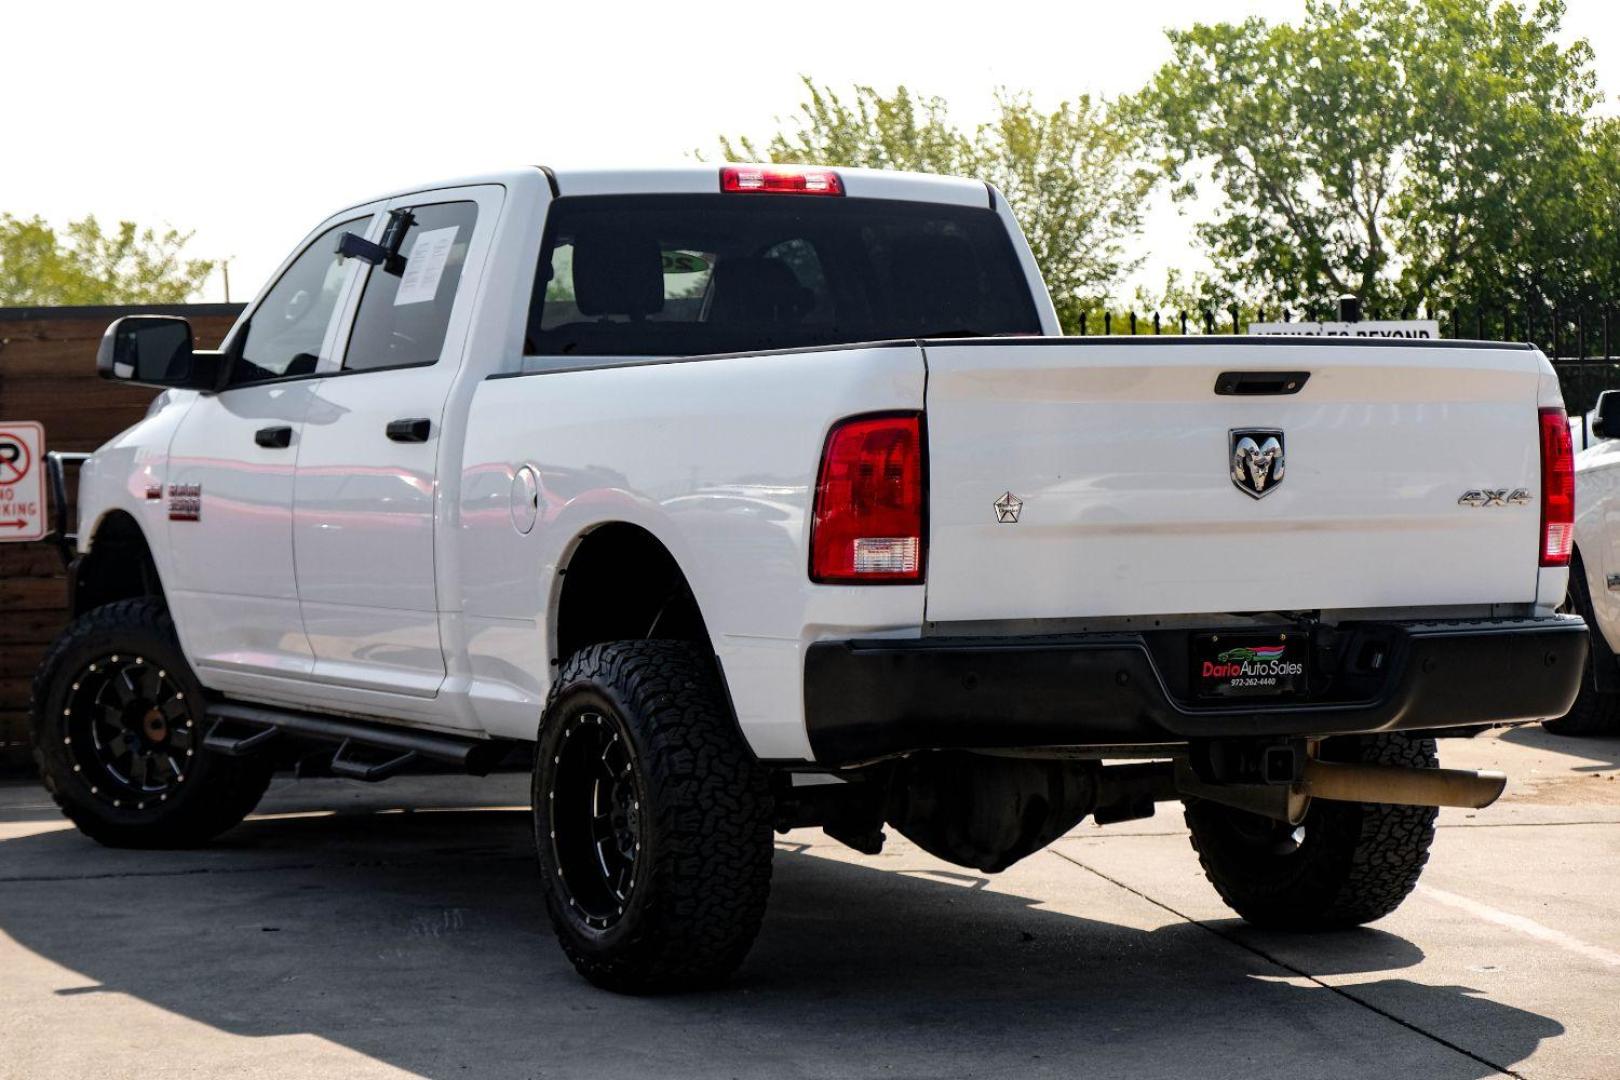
x=1353 y=864
x=1595 y=712
x=213 y=792
x=701 y=869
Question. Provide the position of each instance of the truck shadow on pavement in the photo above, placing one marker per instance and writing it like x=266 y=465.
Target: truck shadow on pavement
x=1603 y=750
x=418 y=939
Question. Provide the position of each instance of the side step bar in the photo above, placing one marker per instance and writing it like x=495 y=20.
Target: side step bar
x=238 y=730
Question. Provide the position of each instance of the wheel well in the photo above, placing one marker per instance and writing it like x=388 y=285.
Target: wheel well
x=622 y=584
x=118 y=566
x=1605 y=674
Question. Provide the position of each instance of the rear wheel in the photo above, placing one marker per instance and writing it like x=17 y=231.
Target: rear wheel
x=117 y=728
x=1595 y=712
x=1344 y=865
x=652 y=820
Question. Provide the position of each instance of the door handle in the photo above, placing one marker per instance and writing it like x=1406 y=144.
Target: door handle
x=410 y=429
x=274 y=438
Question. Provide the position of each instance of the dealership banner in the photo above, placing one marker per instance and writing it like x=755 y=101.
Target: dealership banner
x=1373 y=328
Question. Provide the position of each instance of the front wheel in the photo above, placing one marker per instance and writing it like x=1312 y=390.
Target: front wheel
x=1344 y=865
x=652 y=820
x=118 y=728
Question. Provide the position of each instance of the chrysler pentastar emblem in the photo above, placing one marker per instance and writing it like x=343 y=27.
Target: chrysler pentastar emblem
x=1008 y=507
x=1256 y=460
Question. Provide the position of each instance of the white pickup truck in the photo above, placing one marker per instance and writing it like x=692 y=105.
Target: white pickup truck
x=1594 y=572
x=768 y=497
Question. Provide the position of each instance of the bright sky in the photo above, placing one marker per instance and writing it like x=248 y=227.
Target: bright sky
x=249 y=123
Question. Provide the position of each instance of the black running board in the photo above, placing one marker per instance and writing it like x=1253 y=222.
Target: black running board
x=241 y=730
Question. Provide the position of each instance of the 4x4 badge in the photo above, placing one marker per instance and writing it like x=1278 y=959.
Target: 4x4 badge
x=1256 y=456
x=1478 y=497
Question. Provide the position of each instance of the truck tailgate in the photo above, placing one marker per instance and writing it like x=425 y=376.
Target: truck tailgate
x=1117 y=458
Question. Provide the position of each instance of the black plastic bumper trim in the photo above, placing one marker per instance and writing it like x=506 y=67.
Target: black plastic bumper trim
x=869 y=699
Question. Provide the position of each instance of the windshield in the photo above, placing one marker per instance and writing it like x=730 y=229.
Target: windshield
x=685 y=275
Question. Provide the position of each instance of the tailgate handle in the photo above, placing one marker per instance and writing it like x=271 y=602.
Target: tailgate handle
x=1247 y=383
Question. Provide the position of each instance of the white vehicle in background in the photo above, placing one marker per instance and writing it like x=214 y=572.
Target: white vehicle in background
x=768 y=497
x=1594 y=587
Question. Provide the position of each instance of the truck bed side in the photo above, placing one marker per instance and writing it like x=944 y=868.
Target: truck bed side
x=717 y=459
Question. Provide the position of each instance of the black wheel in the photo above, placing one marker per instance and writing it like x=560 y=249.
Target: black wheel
x=652 y=820
x=1595 y=712
x=117 y=721
x=1346 y=864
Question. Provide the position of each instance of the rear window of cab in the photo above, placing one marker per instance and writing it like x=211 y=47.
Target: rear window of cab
x=687 y=275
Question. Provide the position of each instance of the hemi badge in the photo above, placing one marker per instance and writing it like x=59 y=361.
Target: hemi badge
x=185 y=502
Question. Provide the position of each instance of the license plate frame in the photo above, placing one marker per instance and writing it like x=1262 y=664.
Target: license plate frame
x=1270 y=665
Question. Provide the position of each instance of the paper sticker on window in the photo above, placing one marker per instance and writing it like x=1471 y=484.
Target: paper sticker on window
x=684 y=262
x=424 y=266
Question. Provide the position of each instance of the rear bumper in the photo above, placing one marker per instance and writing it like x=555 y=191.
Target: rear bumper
x=877 y=698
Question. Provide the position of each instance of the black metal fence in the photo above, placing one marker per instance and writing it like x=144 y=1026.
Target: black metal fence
x=1580 y=341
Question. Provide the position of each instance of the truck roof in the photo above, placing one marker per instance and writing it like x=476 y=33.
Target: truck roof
x=705 y=179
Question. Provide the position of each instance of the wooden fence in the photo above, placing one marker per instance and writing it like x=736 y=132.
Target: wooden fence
x=48 y=373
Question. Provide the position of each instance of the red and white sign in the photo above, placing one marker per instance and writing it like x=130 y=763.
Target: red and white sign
x=22 y=480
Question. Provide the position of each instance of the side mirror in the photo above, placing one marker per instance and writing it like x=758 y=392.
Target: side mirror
x=1606 y=417
x=156 y=350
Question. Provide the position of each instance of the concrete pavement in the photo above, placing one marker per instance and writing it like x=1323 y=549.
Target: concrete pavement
x=395 y=930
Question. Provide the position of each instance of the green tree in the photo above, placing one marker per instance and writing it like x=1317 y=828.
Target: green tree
x=91 y=265
x=1198 y=296
x=1407 y=151
x=1594 y=238
x=901 y=131
x=1069 y=175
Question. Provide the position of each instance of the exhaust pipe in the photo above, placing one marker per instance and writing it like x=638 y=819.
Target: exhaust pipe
x=1342 y=782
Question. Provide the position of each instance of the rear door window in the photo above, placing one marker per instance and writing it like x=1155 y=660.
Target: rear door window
x=682 y=275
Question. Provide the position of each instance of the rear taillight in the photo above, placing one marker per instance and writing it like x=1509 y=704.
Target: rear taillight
x=780 y=180
x=1557 y=488
x=868 y=521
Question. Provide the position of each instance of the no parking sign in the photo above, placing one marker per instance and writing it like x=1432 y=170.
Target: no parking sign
x=22 y=480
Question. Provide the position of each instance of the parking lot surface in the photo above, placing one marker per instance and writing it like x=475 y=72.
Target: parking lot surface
x=396 y=930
